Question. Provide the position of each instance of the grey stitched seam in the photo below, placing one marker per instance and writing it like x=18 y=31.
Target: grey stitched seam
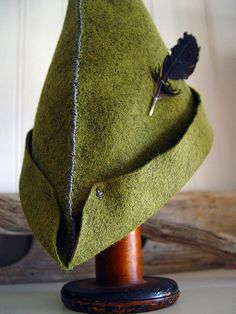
x=74 y=112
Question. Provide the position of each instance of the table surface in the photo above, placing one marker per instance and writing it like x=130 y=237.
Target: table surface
x=202 y=292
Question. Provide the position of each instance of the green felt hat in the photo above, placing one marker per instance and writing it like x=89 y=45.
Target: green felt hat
x=96 y=165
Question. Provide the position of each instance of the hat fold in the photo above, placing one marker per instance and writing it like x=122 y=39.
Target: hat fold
x=39 y=199
x=126 y=201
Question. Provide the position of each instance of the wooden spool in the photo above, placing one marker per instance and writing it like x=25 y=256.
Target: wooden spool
x=119 y=286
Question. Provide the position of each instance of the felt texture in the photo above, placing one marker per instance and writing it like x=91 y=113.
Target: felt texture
x=92 y=131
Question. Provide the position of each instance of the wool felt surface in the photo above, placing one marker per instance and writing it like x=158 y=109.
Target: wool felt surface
x=92 y=131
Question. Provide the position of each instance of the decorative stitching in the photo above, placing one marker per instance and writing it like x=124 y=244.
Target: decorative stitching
x=74 y=112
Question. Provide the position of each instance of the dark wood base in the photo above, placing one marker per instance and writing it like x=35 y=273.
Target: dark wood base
x=87 y=296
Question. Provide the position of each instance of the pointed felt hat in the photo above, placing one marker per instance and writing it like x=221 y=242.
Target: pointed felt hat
x=96 y=165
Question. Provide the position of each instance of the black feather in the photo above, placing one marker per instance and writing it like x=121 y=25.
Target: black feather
x=178 y=65
x=182 y=61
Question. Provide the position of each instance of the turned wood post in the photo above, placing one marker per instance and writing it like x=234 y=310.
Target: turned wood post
x=121 y=263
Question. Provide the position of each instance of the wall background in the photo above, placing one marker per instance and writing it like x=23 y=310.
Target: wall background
x=29 y=30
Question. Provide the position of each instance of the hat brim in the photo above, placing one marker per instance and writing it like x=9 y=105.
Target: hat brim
x=128 y=200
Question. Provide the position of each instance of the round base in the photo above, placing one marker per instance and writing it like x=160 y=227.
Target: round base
x=88 y=297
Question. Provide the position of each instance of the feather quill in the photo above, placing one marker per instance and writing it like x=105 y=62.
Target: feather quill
x=178 y=65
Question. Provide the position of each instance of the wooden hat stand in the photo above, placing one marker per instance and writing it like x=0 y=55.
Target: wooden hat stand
x=119 y=286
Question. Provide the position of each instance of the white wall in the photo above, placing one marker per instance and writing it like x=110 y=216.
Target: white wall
x=29 y=30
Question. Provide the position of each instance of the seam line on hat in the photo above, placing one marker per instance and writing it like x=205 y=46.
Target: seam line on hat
x=74 y=112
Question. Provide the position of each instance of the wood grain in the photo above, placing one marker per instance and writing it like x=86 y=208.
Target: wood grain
x=206 y=220
x=12 y=220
